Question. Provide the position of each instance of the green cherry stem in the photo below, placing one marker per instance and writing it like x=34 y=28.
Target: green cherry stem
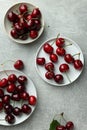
x=62 y=115
x=55 y=39
x=67 y=45
x=76 y=55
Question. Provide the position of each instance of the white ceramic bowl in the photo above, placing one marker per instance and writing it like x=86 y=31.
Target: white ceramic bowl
x=8 y=24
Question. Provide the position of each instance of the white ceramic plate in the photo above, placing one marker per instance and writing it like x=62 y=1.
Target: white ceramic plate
x=8 y=24
x=73 y=74
x=30 y=88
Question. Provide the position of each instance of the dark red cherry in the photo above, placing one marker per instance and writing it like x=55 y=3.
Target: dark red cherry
x=19 y=64
x=22 y=79
x=32 y=100
x=11 y=88
x=49 y=66
x=48 y=48
x=16 y=111
x=23 y=8
x=1 y=93
x=40 y=61
x=19 y=29
x=10 y=118
x=26 y=109
x=6 y=99
x=1 y=105
x=12 y=17
x=33 y=34
x=69 y=125
x=3 y=82
x=8 y=108
x=24 y=95
x=64 y=67
x=60 y=51
x=36 y=13
x=31 y=24
x=53 y=57
x=12 y=78
x=60 y=42
x=60 y=127
x=24 y=37
x=68 y=58
x=15 y=97
x=49 y=75
x=78 y=64
x=58 y=78
x=28 y=17
x=14 y=34
x=37 y=24
x=20 y=88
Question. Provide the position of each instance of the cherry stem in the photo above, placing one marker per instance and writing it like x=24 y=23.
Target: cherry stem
x=68 y=77
x=77 y=54
x=68 y=45
x=62 y=115
x=55 y=39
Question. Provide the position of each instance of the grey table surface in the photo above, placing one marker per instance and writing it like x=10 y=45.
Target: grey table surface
x=67 y=17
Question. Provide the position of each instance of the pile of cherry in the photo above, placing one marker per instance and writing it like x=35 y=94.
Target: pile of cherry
x=13 y=90
x=64 y=67
x=26 y=23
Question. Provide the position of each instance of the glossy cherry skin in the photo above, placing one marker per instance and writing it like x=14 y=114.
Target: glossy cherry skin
x=10 y=118
x=8 y=108
x=19 y=65
x=33 y=34
x=36 y=13
x=40 y=60
x=78 y=64
x=1 y=105
x=26 y=109
x=48 y=48
x=24 y=95
x=1 y=93
x=32 y=100
x=23 y=8
x=19 y=29
x=49 y=75
x=31 y=24
x=3 y=82
x=60 y=42
x=49 y=66
x=6 y=99
x=68 y=58
x=28 y=17
x=64 y=67
x=16 y=97
x=16 y=111
x=53 y=57
x=22 y=79
x=61 y=127
x=69 y=125
x=58 y=78
x=14 y=34
x=60 y=51
x=11 y=88
x=20 y=88
x=37 y=24
x=12 y=78
x=12 y=17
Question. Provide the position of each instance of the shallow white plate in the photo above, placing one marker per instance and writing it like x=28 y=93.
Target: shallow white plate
x=8 y=24
x=30 y=88
x=73 y=74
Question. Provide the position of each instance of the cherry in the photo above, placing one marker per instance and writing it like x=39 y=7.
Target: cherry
x=26 y=109
x=20 y=88
x=12 y=17
x=78 y=64
x=1 y=105
x=19 y=29
x=10 y=118
x=22 y=79
x=60 y=127
x=64 y=68
x=58 y=78
x=60 y=51
x=49 y=75
x=19 y=65
x=48 y=48
x=40 y=61
x=15 y=97
x=53 y=57
x=49 y=66
x=12 y=78
x=37 y=24
x=36 y=13
x=32 y=100
x=31 y=24
x=24 y=95
x=33 y=34
x=14 y=34
x=16 y=111
x=24 y=36
x=69 y=58
x=1 y=93
x=60 y=42
x=6 y=99
x=69 y=125
x=8 y=108
x=11 y=88
x=23 y=8
x=3 y=82
x=29 y=16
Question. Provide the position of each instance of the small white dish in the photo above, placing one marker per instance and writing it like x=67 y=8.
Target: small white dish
x=73 y=74
x=8 y=24
x=30 y=88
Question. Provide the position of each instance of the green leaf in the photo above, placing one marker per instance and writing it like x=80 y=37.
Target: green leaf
x=54 y=124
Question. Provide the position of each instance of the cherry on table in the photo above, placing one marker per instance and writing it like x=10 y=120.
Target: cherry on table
x=69 y=125
x=12 y=78
x=36 y=13
x=40 y=60
x=49 y=75
x=48 y=48
x=58 y=78
x=49 y=66
x=60 y=51
x=60 y=127
x=23 y=8
x=10 y=118
x=22 y=79
x=19 y=64
x=32 y=100
x=33 y=34
x=64 y=67
x=53 y=57
x=68 y=58
x=26 y=109
x=78 y=64
x=60 y=42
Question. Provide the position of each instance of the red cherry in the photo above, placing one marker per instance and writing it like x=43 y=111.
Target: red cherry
x=37 y=24
x=49 y=75
x=3 y=82
x=69 y=125
x=1 y=105
x=58 y=78
x=60 y=42
x=69 y=58
x=32 y=100
x=24 y=95
x=53 y=57
x=6 y=99
x=60 y=51
x=40 y=61
x=10 y=118
x=15 y=97
x=19 y=29
x=16 y=111
x=61 y=127
x=49 y=66
x=33 y=34
x=20 y=88
x=63 y=67
x=11 y=88
x=23 y=8
x=19 y=64
x=12 y=17
x=14 y=33
x=22 y=79
x=31 y=24
x=36 y=13
x=48 y=48
x=12 y=78
x=78 y=64
x=26 y=109
x=1 y=93
x=29 y=16
x=8 y=108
